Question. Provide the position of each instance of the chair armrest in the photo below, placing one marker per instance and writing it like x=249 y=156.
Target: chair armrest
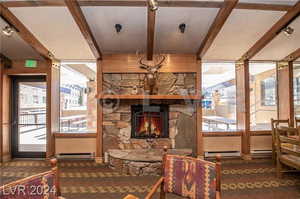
x=130 y=197
x=218 y=195
x=154 y=188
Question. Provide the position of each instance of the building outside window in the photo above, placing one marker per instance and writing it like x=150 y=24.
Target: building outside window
x=78 y=113
x=263 y=97
x=268 y=92
x=218 y=97
x=296 y=79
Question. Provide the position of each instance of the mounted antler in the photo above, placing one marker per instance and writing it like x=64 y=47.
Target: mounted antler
x=151 y=77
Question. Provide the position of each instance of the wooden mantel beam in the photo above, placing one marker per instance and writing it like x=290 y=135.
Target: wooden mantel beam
x=79 y=18
x=150 y=33
x=293 y=56
x=273 y=32
x=216 y=26
x=142 y=3
x=24 y=33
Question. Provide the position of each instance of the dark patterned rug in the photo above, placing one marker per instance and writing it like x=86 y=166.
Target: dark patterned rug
x=253 y=179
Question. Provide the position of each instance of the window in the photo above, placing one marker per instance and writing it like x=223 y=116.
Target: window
x=263 y=97
x=78 y=113
x=218 y=97
x=296 y=79
x=268 y=92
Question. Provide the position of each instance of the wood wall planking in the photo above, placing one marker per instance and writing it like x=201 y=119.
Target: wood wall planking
x=1 y=111
x=129 y=63
x=19 y=69
x=285 y=91
x=6 y=121
x=261 y=142
x=217 y=144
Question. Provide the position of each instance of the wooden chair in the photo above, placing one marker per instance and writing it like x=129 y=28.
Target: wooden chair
x=274 y=125
x=297 y=122
x=288 y=149
x=189 y=177
x=40 y=186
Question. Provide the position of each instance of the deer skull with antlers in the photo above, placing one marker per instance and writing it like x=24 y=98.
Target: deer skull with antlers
x=150 y=80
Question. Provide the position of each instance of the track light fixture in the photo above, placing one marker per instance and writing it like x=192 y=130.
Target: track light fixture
x=118 y=28
x=8 y=31
x=288 y=31
x=153 y=5
x=182 y=27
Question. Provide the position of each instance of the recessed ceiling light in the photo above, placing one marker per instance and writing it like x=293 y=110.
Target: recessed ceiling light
x=8 y=31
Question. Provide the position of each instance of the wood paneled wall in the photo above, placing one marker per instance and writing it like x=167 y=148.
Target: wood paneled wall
x=285 y=91
x=129 y=63
x=53 y=105
x=1 y=111
x=99 y=138
x=243 y=105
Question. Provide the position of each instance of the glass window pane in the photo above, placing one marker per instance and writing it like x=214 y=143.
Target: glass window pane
x=263 y=97
x=296 y=79
x=218 y=97
x=32 y=117
x=78 y=113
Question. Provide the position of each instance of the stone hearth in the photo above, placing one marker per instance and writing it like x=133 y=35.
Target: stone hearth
x=141 y=162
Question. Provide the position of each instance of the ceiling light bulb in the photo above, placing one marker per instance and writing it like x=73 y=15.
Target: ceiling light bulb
x=288 y=31
x=153 y=4
x=8 y=31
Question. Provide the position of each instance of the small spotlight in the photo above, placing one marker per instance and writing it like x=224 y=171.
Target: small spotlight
x=8 y=31
x=118 y=28
x=288 y=31
x=153 y=4
x=182 y=27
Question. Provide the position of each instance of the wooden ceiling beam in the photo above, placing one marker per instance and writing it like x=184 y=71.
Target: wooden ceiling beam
x=142 y=3
x=273 y=32
x=24 y=33
x=150 y=33
x=216 y=26
x=80 y=20
x=293 y=56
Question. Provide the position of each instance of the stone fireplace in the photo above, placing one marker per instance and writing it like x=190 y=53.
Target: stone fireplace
x=149 y=121
x=128 y=124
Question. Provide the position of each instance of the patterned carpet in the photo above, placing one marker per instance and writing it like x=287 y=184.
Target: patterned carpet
x=253 y=179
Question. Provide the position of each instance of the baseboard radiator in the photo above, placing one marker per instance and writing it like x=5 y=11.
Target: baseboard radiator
x=75 y=156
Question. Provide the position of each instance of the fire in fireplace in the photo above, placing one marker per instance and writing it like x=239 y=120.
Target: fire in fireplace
x=149 y=121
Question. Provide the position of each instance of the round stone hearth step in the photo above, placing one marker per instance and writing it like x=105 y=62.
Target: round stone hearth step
x=141 y=161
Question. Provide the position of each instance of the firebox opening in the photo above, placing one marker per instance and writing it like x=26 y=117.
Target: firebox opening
x=149 y=121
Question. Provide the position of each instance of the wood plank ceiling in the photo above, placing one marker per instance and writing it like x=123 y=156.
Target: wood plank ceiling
x=71 y=32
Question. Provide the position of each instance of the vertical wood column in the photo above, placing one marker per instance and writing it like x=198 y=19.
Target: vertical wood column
x=53 y=105
x=1 y=112
x=243 y=106
x=285 y=92
x=99 y=138
x=199 y=134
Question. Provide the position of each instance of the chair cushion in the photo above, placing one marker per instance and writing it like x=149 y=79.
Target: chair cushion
x=35 y=187
x=189 y=177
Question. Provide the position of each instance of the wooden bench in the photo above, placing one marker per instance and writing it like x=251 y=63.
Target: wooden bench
x=288 y=149
x=40 y=186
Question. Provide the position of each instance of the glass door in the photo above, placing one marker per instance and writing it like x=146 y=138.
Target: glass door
x=29 y=117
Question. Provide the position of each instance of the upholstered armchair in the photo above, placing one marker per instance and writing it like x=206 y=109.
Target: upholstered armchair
x=288 y=149
x=40 y=186
x=274 y=125
x=189 y=177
